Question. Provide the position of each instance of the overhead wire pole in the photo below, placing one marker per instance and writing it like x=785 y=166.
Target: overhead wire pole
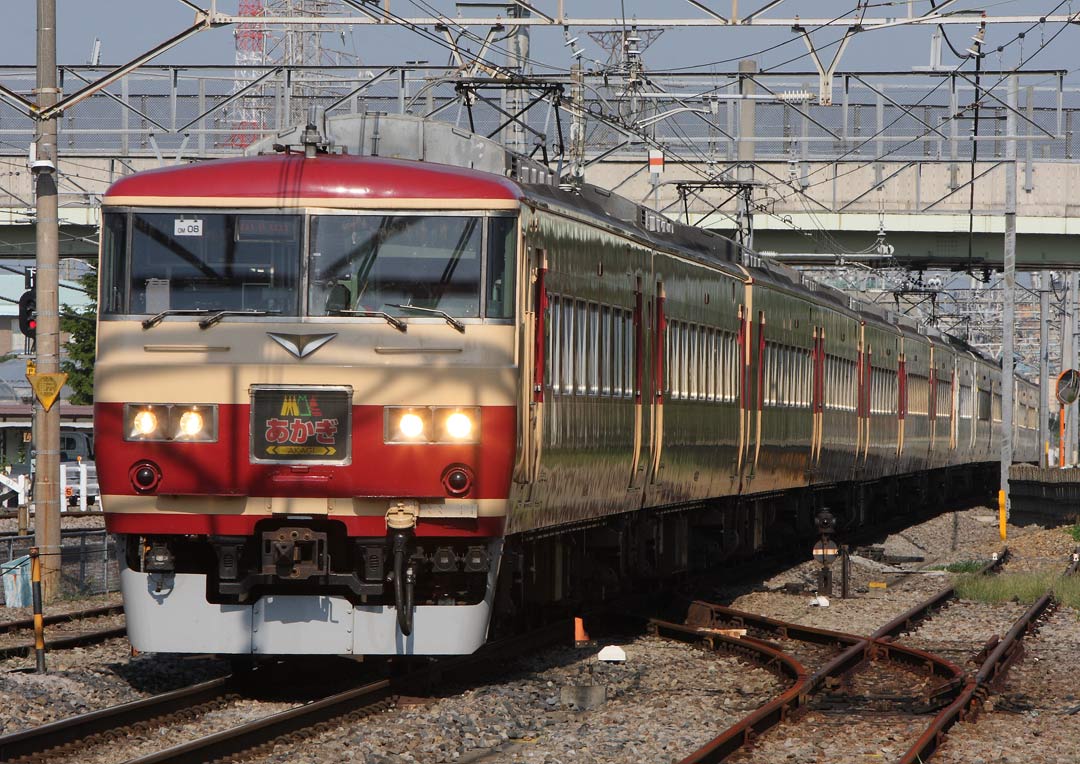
x=47 y=473
x=1008 y=380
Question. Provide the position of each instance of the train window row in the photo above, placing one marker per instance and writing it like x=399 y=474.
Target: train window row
x=884 y=394
x=590 y=348
x=841 y=393
x=702 y=363
x=787 y=375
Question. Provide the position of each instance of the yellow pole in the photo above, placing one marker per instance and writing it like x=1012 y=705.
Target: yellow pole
x=39 y=621
x=1001 y=513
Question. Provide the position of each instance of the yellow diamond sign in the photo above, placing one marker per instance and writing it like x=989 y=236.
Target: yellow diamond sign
x=47 y=387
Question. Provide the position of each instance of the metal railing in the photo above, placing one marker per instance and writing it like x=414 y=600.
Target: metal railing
x=193 y=110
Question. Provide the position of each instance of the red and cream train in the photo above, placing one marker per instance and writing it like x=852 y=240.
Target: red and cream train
x=356 y=405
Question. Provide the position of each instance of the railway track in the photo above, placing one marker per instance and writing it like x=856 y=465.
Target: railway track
x=17 y=637
x=62 y=738
x=873 y=688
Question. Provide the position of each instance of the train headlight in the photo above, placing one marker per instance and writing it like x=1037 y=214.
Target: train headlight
x=144 y=423
x=191 y=424
x=431 y=424
x=170 y=422
x=457 y=425
x=411 y=426
x=407 y=425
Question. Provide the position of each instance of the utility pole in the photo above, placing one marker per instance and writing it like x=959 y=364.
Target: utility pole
x=1044 y=368
x=745 y=146
x=1008 y=380
x=46 y=482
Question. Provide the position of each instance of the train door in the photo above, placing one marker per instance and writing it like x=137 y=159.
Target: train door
x=817 y=395
x=862 y=408
x=657 y=343
x=531 y=416
x=901 y=403
x=644 y=391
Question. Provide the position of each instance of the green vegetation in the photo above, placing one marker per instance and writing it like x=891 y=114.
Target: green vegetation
x=1018 y=587
x=1074 y=531
x=81 y=326
x=964 y=566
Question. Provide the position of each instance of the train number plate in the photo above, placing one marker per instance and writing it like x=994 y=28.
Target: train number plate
x=301 y=425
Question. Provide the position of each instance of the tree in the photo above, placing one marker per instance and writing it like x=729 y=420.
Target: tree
x=81 y=346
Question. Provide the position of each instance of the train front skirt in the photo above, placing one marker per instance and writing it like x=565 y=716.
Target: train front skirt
x=170 y=614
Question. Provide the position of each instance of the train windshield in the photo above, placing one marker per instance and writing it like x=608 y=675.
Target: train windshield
x=392 y=263
x=202 y=261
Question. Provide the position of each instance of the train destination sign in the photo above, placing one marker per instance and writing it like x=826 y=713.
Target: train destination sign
x=301 y=425
x=1068 y=387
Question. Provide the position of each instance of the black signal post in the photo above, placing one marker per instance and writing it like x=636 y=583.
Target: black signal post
x=28 y=314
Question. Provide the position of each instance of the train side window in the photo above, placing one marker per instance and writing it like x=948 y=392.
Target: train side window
x=630 y=383
x=554 y=348
x=594 y=349
x=618 y=349
x=501 y=266
x=672 y=354
x=114 y=262
x=693 y=338
x=713 y=362
x=568 y=346
x=580 y=364
x=606 y=364
x=984 y=405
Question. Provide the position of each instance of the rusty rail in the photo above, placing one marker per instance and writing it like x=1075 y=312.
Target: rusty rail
x=763 y=718
x=856 y=651
x=907 y=620
x=703 y=618
x=993 y=668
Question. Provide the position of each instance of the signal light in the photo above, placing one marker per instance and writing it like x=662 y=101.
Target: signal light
x=28 y=314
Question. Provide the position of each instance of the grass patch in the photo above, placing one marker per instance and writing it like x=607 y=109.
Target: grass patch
x=1067 y=591
x=1004 y=587
x=1074 y=531
x=1018 y=587
x=964 y=566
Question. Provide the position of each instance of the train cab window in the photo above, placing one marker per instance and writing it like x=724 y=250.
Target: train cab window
x=393 y=263
x=113 y=263
x=501 y=267
x=206 y=261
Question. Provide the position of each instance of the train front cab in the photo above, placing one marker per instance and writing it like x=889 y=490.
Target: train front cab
x=231 y=550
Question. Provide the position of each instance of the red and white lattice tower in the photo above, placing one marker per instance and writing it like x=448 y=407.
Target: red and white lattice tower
x=248 y=114
x=308 y=45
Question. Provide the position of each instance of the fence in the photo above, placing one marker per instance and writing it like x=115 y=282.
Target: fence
x=88 y=561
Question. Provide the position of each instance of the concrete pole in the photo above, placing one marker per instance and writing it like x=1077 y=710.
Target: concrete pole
x=1066 y=355
x=1007 y=316
x=745 y=145
x=1070 y=342
x=46 y=482
x=1044 y=367
x=517 y=53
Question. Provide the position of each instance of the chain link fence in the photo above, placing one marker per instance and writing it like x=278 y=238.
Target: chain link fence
x=88 y=562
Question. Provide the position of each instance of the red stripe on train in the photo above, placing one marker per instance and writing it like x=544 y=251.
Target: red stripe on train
x=224 y=468
x=165 y=523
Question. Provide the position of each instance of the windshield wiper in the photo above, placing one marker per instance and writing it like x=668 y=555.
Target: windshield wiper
x=397 y=323
x=206 y=323
x=449 y=319
x=155 y=320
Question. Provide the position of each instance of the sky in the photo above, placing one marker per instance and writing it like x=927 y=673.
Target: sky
x=127 y=28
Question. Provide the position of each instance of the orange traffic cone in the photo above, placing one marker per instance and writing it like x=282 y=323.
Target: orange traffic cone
x=581 y=637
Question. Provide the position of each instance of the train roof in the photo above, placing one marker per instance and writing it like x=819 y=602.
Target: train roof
x=291 y=179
